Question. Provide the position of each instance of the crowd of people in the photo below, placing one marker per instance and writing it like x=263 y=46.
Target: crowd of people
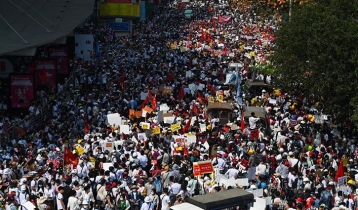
x=65 y=163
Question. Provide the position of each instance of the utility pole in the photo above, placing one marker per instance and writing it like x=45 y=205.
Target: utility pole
x=290 y=11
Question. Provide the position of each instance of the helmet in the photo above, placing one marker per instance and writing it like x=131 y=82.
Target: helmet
x=351 y=182
x=250 y=152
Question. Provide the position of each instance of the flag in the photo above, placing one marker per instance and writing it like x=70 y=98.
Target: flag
x=211 y=88
x=181 y=93
x=69 y=157
x=121 y=81
x=195 y=110
x=242 y=122
x=43 y=75
x=186 y=151
x=145 y=102
x=150 y=97
x=186 y=127
x=154 y=102
x=202 y=36
x=340 y=171
x=86 y=124
x=225 y=50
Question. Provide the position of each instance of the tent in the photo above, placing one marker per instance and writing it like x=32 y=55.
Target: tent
x=222 y=200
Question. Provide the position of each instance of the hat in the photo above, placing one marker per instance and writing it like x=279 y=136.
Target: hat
x=306 y=179
x=290 y=153
x=299 y=200
x=175 y=167
x=147 y=199
x=250 y=152
x=134 y=187
x=41 y=199
x=206 y=178
x=331 y=183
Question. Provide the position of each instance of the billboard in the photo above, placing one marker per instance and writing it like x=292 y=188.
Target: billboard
x=84 y=46
x=22 y=90
x=45 y=73
x=120 y=9
x=123 y=26
x=6 y=68
x=60 y=53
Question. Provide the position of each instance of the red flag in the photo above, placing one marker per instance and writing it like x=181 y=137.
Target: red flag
x=195 y=110
x=154 y=102
x=121 y=81
x=69 y=157
x=340 y=171
x=86 y=124
x=43 y=75
x=186 y=151
x=211 y=88
x=181 y=93
x=150 y=96
x=186 y=127
x=242 y=122
x=145 y=102
x=225 y=50
x=202 y=36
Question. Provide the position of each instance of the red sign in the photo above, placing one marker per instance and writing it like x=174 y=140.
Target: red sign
x=254 y=134
x=196 y=170
x=60 y=53
x=49 y=65
x=205 y=167
x=22 y=90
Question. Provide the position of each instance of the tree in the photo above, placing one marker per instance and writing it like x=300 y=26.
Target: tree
x=317 y=53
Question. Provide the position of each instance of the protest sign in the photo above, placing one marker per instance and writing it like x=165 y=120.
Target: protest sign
x=124 y=129
x=156 y=130
x=175 y=127
x=191 y=138
x=108 y=146
x=142 y=137
x=114 y=119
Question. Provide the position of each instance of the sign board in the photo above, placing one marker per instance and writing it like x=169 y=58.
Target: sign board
x=118 y=20
x=168 y=90
x=145 y=126
x=120 y=9
x=175 y=127
x=205 y=167
x=46 y=73
x=84 y=46
x=114 y=119
x=60 y=53
x=156 y=130
x=342 y=181
x=196 y=169
x=124 y=129
x=108 y=146
x=22 y=90
x=142 y=137
x=191 y=138
x=119 y=26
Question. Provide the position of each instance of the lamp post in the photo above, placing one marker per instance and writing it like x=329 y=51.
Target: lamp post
x=290 y=11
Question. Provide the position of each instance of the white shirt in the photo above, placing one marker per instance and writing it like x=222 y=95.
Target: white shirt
x=58 y=198
x=232 y=172
x=261 y=168
x=252 y=122
x=72 y=203
x=165 y=202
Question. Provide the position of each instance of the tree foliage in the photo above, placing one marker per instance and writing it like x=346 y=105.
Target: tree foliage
x=317 y=53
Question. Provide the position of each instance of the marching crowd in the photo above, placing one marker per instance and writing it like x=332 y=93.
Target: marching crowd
x=299 y=163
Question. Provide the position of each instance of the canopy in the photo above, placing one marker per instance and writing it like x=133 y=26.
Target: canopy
x=32 y=23
x=222 y=200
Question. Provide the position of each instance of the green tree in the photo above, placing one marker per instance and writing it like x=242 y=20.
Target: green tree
x=317 y=53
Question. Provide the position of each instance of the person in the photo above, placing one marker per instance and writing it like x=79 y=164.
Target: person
x=134 y=198
x=122 y=203
x=59 y=198
x=253 y=121
x=101 y=192
x=326 y=196
x=73 y=202
x=155 y=199
x=148 y=204
x=108 y=203
x=165 y=199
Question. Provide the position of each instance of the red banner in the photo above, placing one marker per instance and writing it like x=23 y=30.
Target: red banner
x=22 y=90
x=224 y=19
x=196 y=170
x=60 y=53
x=49 y=66
x=205 y=167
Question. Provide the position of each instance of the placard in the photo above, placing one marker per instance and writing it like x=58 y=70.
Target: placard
x=145 y=126
x=124 y=129
x=142 y=137
x=160 y=116
x=164 y=107
x=168 y=90
x=211 y=99
x=251 y=173
x=196 y=169
x=114 y=119
x=202 y=127
x=342 y=181
x=175 y=127
x=220 y=98
x=156 y=130
x=60 y=53
x=143 y=95
x=272 y=101
x=108 y=146
x=106 y=166
x=243 y=182
x=206 y=167
x=144 y=113
x=147 y=109
x=191 y=138
x=46 y=73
